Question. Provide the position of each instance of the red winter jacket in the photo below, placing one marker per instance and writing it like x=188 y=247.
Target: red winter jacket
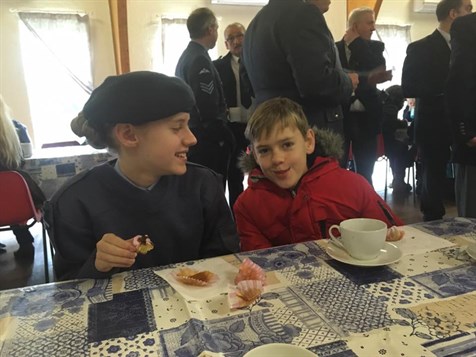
x=267 y=215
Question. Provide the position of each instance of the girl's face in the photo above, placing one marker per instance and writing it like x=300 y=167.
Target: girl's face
x=162 y=145
x=282 y=155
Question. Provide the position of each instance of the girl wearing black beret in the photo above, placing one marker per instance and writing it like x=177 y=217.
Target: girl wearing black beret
x=150 y=189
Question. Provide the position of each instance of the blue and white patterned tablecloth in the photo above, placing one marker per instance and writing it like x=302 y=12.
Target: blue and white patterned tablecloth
x=52 y=167
x=423 y=305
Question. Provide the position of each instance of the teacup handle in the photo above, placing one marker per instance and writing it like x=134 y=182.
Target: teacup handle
x=333 y=238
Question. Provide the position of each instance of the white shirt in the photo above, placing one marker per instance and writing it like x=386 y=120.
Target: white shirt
x=357 y=105
x=446 y=36
x=238 y=114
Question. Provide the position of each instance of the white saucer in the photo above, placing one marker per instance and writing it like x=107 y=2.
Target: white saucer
x=279 y=350
x=389 y=254
x=471 y=250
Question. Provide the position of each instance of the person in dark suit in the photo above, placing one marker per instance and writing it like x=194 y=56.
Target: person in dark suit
x=289 y=52
x=461 y=98
x=238 y=99
x=209 y=119
x=322 y=5
x=424 y=75
x=363 y=118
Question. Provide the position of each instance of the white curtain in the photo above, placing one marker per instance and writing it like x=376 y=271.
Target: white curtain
x=396 y=39
x=55 y=32
x=170 y=40
x=56 y=58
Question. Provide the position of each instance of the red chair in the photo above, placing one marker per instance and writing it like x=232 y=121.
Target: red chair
x=17 y=208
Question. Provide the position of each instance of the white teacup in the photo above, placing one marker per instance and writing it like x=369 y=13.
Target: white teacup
x=279 y=350
x=362 y=238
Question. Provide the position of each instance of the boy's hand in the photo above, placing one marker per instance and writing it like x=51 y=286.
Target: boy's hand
x=113 y=251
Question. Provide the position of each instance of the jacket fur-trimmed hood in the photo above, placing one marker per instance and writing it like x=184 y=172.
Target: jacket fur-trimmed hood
x=328 y=144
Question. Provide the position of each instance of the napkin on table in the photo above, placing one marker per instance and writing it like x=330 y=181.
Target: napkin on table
x=225 y=272
x=418 y=242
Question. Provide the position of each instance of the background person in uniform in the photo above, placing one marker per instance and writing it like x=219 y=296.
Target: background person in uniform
x=238 y=99
x=322 y=5
x=282 y=62
x=461 y=97
x=209 y=120
x=363 y=119
x=424 y=75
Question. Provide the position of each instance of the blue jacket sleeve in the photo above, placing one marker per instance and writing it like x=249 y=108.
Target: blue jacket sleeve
x=312 y=55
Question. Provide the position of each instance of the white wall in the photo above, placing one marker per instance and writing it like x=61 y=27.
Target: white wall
x=143 y=18
x=400 y=12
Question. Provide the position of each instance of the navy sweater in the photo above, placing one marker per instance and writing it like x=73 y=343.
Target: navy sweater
x=186 y=217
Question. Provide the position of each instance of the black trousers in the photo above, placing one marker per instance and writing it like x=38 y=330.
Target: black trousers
x=400 y=157
x=214 y=147
x=434 y=159
x=235 y=175
x=364 y=143
x=23 y=235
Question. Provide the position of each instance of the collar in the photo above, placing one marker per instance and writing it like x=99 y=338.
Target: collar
x=118 y=170
x=446 y=36
x=235 y=59
x=200 y=45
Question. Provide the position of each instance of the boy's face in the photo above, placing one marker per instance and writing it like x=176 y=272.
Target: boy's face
x=282 y=155
x=164 y=144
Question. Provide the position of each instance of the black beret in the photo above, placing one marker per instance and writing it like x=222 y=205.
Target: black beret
x=137 y=98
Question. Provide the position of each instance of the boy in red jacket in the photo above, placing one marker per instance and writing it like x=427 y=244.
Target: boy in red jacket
x=296 y=188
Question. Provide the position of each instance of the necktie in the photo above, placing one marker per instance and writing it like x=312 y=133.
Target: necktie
x=244 y=91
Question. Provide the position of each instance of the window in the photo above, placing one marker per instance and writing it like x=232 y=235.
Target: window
x=170 y=40
x=396 y=39
x=57 y=63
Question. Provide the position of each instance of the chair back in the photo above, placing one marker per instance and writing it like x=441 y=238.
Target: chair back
x=60 y=144
x=16 y=203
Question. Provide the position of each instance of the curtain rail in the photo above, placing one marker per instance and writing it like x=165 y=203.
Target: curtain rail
x=52 y=11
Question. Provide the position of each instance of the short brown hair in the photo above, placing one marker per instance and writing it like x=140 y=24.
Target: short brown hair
x=276 y=112
x=444 y=8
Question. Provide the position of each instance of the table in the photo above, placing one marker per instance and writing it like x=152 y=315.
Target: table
x=52 y=167
x=423 y=305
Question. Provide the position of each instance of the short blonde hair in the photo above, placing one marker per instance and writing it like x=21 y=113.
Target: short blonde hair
x=276 y=113
x=356 y=14
x=10 y=148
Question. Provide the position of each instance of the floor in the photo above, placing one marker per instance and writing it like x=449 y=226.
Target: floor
x=14 y=274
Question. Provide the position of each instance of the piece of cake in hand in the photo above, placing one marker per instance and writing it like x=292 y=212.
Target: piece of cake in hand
x=145 y=244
